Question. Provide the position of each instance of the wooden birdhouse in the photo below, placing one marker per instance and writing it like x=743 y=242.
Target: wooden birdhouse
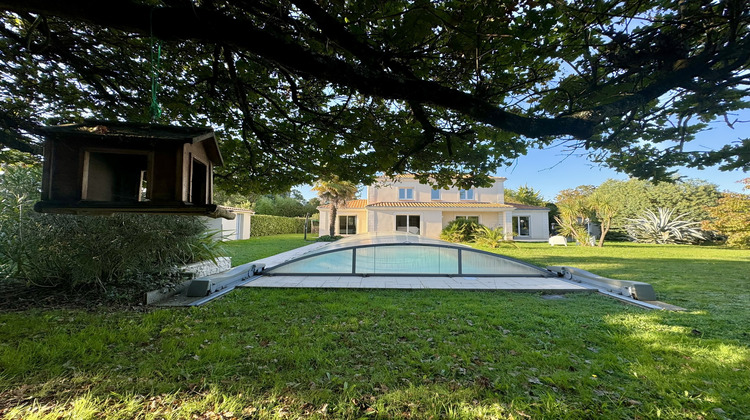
x=101 y=167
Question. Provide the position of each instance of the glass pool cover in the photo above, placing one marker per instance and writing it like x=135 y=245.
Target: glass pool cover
x=401 y=253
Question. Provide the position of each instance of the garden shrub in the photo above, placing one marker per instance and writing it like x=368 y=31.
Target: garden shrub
x=664 y=228
x=125 y=252
x=491 y=238
x=265 y=225
x=459 y=230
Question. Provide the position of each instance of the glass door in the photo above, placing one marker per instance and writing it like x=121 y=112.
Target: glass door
x=521 y=225
x=407 y=223
x=347 y=225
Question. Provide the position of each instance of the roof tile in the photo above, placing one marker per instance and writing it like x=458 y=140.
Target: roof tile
x=351 y=204
x=526 y=207
x=362 y=203
x=438 y=204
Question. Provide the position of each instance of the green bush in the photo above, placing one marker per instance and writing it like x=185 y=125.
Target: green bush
x=664 y=228
x=117 y=254
x=492 y=238
x=265 y=225
x=460 y=230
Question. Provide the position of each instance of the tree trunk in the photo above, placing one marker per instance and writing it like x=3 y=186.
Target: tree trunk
x=332 y=225
x=605 y=228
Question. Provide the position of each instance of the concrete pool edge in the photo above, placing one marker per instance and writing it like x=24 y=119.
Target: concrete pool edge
x=569 y=280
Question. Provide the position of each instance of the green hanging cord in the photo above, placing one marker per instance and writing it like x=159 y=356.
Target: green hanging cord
x=155 y=109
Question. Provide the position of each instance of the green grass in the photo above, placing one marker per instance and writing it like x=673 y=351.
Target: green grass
x=387 y=353
x=252 y=249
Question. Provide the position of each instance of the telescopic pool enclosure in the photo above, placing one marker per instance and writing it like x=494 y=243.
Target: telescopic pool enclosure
x=401 y=260
x=404 y=254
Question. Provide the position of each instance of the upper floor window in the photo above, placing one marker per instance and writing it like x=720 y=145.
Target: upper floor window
x=435 y=195
x=406 y=194
x=466 y=194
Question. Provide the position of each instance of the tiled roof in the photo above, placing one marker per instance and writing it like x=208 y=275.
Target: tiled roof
x=438 y=204
x=526 y=207
x=351 y=204
x=237 y=209
x=361 y=204
x=356 y=204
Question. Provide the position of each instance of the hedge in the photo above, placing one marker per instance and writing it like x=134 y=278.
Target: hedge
x=265 y=225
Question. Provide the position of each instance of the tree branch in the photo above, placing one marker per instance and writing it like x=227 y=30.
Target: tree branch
x=197 y=23
x=10 y=134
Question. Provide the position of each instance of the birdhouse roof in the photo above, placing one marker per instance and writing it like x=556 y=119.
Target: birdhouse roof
x=127 y=132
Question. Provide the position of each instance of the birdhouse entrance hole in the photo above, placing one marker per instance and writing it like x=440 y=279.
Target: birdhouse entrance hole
x=115 y=176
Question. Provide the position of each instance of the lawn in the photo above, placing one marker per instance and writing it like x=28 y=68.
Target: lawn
x=252 y=249
x=419 y=354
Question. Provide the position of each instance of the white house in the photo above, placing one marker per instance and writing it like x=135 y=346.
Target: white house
x=406 y=205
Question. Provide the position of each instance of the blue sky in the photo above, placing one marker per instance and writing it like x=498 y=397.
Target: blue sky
x=553 y=169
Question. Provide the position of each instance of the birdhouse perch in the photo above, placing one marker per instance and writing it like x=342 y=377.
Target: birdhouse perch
x=103 y=167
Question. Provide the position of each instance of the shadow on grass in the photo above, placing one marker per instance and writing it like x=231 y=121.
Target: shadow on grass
x=351 y=353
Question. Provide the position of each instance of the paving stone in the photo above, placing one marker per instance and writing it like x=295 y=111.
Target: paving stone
x=462 y=283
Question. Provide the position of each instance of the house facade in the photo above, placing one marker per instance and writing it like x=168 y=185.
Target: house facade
x=408 y=206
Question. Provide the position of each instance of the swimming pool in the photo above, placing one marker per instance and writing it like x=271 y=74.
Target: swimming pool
x=401 y=253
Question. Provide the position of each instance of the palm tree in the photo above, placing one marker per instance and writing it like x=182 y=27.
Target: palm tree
x=335 y=192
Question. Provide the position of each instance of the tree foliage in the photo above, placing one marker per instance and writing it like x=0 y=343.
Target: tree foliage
x=446 y=90
x=605 y=208
x=634 y=196
x=286 y=206
x=228 y=199
x=335 y=193
x=614 y=204
x=525 y=195
x=731 y=217
x=575 y=212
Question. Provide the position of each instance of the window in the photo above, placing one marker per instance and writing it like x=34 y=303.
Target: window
x=521 y=225
x=435 y=195
x=347 y=225
x=406 y=194
x=406 y=223
x=474 y=219
x=466 y=194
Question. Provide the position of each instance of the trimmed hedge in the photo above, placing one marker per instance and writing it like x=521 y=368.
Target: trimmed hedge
x=265 y=225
